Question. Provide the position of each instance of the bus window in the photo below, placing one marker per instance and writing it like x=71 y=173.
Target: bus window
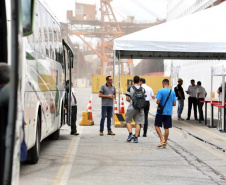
x=42 y=37
x=46 y=31
x=50 y=28
x=36 y=26
x=27 y=16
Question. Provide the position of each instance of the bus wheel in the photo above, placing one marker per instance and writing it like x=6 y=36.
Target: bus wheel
x=35 y=150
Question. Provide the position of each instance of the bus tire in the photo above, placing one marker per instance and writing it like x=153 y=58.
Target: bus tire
x=35 y=150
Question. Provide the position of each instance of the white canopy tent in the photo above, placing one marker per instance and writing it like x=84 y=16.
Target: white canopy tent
x=196 y=36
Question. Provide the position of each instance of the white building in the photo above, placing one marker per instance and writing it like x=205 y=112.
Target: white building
x=199 y=70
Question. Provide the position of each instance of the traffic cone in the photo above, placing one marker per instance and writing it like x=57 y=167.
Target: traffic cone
x=115 y=107
x=90 y=110
x=122 y=110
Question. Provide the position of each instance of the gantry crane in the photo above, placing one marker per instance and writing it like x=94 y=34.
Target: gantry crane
x=106 y=30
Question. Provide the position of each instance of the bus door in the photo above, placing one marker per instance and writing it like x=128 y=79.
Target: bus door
x=69 y=59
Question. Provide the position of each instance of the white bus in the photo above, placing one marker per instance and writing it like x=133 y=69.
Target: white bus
x=44 y=80
x=38 y=61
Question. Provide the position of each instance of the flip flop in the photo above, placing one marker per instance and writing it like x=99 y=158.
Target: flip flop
x=161 y=143
x=165 y=146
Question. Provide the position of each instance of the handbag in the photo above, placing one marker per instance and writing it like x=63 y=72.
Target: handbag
x=160 y=108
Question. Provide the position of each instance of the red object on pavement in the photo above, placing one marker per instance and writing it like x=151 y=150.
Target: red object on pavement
x=122 y=109
x=115 y=107
x=90 y=110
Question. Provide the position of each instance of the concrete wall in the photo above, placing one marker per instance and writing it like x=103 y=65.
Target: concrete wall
x=155 y=82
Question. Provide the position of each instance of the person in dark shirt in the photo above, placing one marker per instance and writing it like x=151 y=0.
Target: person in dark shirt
x=180 y=98
x=219 y=91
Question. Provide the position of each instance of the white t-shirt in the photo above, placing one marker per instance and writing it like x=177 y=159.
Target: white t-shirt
x=72 y=98
x=202 y=92
x=192 y=91
x=149 y=92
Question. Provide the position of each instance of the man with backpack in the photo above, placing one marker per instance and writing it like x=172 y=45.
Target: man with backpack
x=135 y=95
x=166 y=99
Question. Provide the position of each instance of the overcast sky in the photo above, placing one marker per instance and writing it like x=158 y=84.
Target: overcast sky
x=143 y=10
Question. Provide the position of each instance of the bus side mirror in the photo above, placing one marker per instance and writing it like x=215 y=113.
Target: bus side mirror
x=27 y=12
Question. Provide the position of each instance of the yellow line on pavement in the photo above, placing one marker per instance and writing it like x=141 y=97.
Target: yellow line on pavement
x=205 y=131
x=199 y=143
x=64 y=162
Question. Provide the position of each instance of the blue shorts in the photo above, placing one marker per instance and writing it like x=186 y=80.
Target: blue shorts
x=166 y=120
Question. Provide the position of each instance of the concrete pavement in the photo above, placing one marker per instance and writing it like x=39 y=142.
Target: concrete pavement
x=93 y=159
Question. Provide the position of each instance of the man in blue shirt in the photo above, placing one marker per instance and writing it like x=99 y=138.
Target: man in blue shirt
x=165 y=118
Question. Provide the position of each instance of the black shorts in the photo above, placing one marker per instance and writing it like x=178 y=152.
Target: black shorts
x=166 y=120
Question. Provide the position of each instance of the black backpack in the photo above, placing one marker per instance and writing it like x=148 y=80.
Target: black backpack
x=138 y=98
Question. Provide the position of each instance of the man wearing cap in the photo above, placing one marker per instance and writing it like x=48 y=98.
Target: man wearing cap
x=180 y=97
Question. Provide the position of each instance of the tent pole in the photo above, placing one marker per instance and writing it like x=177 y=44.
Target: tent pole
x=211 y=99
x=119 y=82
x=171 y=74
x=223 y=97
x=114 y=67
x=113 y=111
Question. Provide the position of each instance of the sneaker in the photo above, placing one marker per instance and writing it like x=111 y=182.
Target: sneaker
x=101 y=133
x=144 y=135
x=111 y=133
x=196 y=119
x=130 y=137
x=135 y=140
x=188 y=119
x=180 y=119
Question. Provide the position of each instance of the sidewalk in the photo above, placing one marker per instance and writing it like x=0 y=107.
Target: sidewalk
x=112 y=160
x=198 y=130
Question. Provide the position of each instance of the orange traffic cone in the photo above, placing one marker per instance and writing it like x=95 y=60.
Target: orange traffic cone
x=122 y=110
x=115 y=107
x=90 y=110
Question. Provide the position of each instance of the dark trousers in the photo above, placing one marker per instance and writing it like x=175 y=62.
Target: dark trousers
x=146 y=110
x=73 y=119
x=200 y=105
x=192 y=101
x=108 y=110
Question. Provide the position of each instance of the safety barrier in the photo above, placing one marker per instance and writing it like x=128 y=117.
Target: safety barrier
x=219 y=105
x=87 y=117
x=121 y=122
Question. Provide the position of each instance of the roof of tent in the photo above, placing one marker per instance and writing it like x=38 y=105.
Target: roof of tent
x=196 y=36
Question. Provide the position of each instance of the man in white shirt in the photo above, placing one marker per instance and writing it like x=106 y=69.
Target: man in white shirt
x=192 y=100
x=73 y=110
x=150 y=94
x=201 y=94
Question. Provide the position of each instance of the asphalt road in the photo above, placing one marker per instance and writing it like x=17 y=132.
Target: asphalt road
x=92 y=159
